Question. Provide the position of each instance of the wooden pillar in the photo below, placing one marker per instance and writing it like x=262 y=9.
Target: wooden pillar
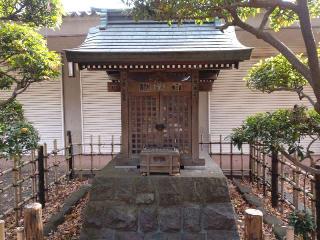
x=124 y=118
x=33 y=221
x=253 y=224
x=195 y=120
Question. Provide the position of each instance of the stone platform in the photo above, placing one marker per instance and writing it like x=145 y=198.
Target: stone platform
x=124 y=205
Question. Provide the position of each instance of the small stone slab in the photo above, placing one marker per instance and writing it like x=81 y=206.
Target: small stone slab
x=223 y=235
x=279 y=231
x=272 y=220
x=58 y=218
x=242 y=188
x=253 y=200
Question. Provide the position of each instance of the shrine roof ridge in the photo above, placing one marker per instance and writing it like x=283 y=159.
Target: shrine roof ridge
x=121 y=40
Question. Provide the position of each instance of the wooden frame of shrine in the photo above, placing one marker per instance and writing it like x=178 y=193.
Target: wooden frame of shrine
x=159 y=70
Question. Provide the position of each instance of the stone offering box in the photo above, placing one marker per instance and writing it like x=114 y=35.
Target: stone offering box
x=160 y=160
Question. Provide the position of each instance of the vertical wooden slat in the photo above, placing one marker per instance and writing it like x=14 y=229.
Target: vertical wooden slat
x=241 y=159
x=231 y=160
x=296 y=178
x=16 y=170
x=195 y=117
x=274 y=179
x=33 y=175
x=46 y=177
x=258 y=167
x=282 y=180
x=124 y=115
x=41 y=184
x=220 y=150
x=264 y=181
x=112 y=146
x=70 y=155
x=250 y=162
x=55 y=161
x=91 y=154
x=99 y=151
x=80 y=161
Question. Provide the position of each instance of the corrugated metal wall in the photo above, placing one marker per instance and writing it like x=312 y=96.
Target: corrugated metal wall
x=231 y=101
x=42 y=103
x=101 y=114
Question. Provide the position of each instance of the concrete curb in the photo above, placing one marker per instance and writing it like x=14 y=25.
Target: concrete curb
x=58 y=218
x=273 y=221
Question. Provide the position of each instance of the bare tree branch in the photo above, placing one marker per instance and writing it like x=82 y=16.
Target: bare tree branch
x=276 y=43
x=265 y=19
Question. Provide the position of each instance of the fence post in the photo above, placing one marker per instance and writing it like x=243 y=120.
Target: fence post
x=317 y=199
x=46 y=171
x=20 y=233
x=231 y=160
x=253 y=224
x=274 y=179
x=250 y=162
x=70 y=155
x=17 y=192
x=33 y=222
x=41 y=184
x=2 y=230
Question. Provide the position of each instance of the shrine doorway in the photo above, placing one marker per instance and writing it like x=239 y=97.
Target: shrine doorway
x=160 y=115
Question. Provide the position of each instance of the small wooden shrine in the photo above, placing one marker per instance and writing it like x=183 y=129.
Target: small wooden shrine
x=159 y=71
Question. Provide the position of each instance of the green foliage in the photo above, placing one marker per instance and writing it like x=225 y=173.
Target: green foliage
x=284 y=128
x=12 y=112
x=303 y=223
x=17 y=135
x=38 y=13
x=209 y=9
x=24 y=51
x=24 y=59
x=275 y=73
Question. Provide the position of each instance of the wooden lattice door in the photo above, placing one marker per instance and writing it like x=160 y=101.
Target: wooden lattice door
x=175 y=114
x=160 y=119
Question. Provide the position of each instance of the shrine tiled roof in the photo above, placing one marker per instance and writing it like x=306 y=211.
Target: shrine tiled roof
x=151 y=41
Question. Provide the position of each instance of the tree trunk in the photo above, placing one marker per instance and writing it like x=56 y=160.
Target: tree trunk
x=253 y=224
x=33 y=221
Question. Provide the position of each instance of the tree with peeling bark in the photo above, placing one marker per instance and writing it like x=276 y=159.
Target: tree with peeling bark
x=24 y=56
x=283 y=129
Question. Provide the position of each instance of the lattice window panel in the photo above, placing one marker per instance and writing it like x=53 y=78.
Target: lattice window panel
x=143 y=115
x=176 y=114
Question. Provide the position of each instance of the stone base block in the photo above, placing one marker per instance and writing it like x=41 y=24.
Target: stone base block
x=125 y=205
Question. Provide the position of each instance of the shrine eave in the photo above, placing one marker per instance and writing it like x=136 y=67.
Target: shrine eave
x=130 y=58
x=151 y=42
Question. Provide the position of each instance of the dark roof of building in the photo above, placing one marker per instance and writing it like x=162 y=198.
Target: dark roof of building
x=128 y=41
